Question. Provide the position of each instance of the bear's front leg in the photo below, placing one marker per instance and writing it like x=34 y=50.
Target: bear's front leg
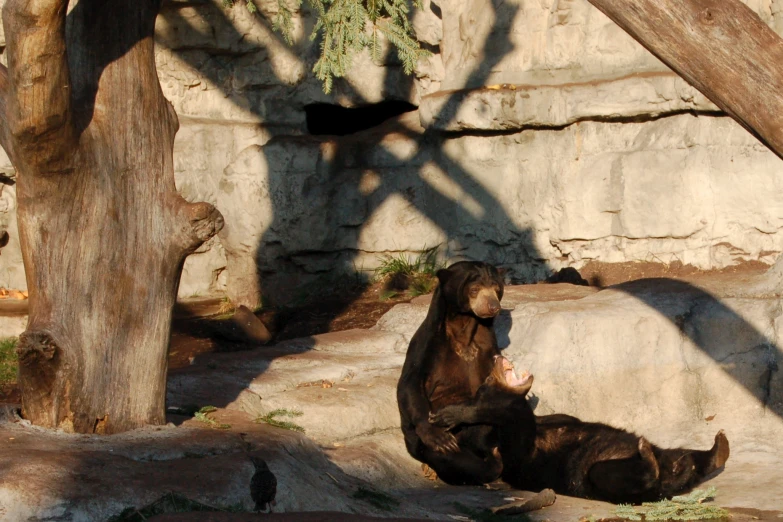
x=452 y=416
x=437 y=439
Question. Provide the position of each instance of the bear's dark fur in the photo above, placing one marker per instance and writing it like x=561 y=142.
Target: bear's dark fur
x=582 y=459
x=448 y=359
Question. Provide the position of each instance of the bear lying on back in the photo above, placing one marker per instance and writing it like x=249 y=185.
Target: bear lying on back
x=448 y=359
x=582 y=459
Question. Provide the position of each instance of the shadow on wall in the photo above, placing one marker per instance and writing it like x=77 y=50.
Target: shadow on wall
x=749 y=356
x=324 y=198
x=356 y=177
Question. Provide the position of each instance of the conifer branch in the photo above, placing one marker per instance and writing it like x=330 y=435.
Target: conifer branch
x=347 y=27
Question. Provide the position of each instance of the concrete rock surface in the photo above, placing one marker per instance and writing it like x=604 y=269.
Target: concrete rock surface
x=673 y=360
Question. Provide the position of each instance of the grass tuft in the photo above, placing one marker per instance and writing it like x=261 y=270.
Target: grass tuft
x=271 y=419
x=402 y=274
x=9 y=361
x=201 y=415
x=388 y=294
x=425 y=263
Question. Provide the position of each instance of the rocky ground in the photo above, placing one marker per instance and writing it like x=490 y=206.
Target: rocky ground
x=675 y=360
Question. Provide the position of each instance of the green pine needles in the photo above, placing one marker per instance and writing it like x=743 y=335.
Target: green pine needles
x=346 y=27
x=202 y=415
x=271 y=419
x=250 y=5
x=686 y=507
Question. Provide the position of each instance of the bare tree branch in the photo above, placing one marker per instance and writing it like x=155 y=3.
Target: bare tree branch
x=38 y=102
x=721 y=47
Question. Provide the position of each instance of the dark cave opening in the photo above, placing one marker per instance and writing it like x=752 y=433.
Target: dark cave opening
x=333 y=120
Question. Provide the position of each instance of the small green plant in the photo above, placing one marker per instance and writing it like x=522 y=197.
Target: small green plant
x=379 y=500
x=9 y=361
x=422 y=285
x=403 y=274
x=485 y=515
x=271 y=419
x=388 y=294
x=202 y=415
x=686 y=507
x=425 y=263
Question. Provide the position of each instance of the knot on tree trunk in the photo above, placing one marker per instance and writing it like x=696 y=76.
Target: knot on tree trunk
x=37 y=349
x=40 y=359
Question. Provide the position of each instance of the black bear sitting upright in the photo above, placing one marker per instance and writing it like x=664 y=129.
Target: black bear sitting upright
x=448 y=359
x=576 y=458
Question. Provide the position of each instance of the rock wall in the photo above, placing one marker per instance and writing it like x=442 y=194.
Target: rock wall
x=545 y=137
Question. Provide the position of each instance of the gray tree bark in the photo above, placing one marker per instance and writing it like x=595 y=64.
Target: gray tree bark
x=727 y=52
x=103 y=231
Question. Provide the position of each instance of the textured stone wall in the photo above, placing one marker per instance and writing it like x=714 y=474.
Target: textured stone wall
x=565 y=141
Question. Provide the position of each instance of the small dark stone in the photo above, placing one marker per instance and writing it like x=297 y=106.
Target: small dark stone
x=568 y=274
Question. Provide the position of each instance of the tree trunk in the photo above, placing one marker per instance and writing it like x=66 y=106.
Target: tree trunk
x=103 y=231
x=727 y=52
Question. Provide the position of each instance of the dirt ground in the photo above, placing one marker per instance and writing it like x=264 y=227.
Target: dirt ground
x=197 y=331
x=361 y=306
x=198 y=325
x=608 y=274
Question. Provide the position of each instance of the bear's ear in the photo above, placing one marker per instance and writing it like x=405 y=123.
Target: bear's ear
x=443 y=275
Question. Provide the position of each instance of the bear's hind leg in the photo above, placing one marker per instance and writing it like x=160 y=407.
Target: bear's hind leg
x=629 y=480
x=713 y=459
x=465 y=468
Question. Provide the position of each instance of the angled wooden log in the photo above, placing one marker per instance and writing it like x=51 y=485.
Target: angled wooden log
x=727 y=52
x=721 y=47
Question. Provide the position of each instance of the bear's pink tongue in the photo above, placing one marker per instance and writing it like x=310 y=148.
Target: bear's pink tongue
x=513 y=380
x=509 y=374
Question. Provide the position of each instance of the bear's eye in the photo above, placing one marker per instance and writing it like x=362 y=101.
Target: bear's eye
x=474 y=292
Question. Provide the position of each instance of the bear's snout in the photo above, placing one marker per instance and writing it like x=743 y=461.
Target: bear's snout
x=486 y=303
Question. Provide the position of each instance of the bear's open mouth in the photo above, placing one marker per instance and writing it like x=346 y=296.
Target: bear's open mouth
x=510 y=375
